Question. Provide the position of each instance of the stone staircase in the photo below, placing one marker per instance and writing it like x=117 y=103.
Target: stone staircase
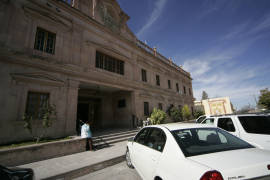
x=105 y=139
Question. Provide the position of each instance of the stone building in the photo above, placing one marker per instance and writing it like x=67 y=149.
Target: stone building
x=82 y=57
x=215 y=106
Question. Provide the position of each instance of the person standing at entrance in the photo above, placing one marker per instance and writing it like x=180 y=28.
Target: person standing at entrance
x=86 y=133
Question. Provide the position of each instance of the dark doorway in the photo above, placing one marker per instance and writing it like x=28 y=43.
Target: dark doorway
x=89 y=109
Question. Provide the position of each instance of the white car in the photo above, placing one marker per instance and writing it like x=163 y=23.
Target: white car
x=195 y=152
x=253 y=128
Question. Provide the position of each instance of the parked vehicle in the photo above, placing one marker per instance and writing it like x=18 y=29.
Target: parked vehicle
x=253 y=128
x=16 y=173
x=194 y=152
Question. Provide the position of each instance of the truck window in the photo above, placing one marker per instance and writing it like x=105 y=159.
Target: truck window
x=226 y=124
x=255 y=124
x=208 y=121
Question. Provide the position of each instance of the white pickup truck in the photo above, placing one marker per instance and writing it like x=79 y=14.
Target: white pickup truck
x=252 y=128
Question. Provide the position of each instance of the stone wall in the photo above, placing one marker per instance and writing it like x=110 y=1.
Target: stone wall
x=38 y=152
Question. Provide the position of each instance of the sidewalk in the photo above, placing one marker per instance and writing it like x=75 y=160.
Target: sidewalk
x=79 y=164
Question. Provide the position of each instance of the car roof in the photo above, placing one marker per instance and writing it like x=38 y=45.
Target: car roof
x=176 y=126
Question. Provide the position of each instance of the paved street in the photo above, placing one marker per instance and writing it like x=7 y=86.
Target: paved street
x=116 y=172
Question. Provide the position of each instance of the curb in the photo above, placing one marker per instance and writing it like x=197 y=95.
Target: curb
x=87 y=169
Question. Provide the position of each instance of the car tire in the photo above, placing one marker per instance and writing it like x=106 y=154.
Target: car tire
x=128 y=160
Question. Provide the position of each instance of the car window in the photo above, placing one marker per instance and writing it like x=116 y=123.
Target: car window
x=226 y=124
x=208 y=121
x=197 y=141
x=156 y=139
x=141 y=136
x=255 y=124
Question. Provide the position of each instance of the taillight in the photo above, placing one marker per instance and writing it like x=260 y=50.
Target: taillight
x=212 y=175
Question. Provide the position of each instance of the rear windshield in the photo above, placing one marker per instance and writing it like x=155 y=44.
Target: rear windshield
x=255 y=124
x=198 y=141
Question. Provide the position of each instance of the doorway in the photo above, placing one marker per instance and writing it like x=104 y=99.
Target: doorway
x=88 y=109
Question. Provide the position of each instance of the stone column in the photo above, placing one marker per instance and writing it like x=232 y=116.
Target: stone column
x=71 y=107
x=134 y=107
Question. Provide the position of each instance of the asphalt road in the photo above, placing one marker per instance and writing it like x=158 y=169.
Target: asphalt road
x=117 y=172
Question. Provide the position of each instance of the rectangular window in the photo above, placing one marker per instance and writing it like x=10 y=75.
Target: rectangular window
x=184 y=89
x=160 y=106
x=189 y=91
x=144 y=78
x=177 y=87
x=146 y=108
x=121 y=103
x=169 y=84
x=45 y=41
x=157 y=80
x=35 y=104
x=109 y=63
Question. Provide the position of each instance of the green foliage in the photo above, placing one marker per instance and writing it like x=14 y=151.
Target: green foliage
x=48 y=115
x=176 y=114
x=264 y=99
x=158 y=116
x=198 y=112
x=204 y=95
x=186 y=112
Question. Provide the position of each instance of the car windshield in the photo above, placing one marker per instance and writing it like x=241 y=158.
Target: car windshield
x=255 y=124
x=200 y=119
x=198 y=141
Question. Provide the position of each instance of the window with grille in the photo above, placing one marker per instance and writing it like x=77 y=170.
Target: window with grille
x=157 y=80
x=184 y=88
x=177 y=87
x=146 y=108
x=160 y=106
x=35 y=104
x=45 y=41
x=109 y=63
x=169 y=84
x=144 y=77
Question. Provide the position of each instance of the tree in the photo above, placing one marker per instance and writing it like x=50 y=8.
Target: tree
x=186 y=112
x=264 y=99
x=48 y=114
x=198 y=112
x=204 y=95
x=176 y=114
x=246 y=109
x=158 y=116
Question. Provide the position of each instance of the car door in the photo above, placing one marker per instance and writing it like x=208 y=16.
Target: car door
x=154 y=145
x=137 y=147
x=148 y=154
x=227 y=124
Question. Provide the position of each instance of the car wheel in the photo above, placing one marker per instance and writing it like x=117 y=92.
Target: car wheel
x=128 y=160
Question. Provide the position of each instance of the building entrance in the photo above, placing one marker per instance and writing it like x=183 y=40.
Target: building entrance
x=88 y=109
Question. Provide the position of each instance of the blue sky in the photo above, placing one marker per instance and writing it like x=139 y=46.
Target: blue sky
x=224 y=44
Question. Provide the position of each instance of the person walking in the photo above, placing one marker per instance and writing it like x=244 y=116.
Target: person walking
x=86 y=133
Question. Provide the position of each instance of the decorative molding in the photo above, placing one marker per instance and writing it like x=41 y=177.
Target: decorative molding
x=32 y=12
x=39 y=77
x=106 y=47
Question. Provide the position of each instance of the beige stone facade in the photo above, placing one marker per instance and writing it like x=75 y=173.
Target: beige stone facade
x=215 y=106
x=48 y=49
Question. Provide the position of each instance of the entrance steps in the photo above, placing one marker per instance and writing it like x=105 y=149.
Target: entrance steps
x=105 y=139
